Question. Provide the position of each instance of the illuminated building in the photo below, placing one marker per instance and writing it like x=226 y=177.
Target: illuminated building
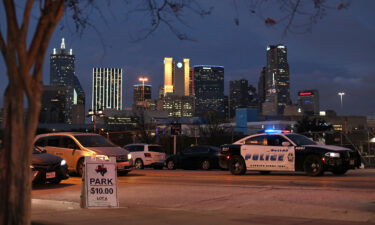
x=176 y=77
x=106 y=88
x=276 y=80
x=209 y=90
x=178 y=106
x=62 y=73
x=308 y=102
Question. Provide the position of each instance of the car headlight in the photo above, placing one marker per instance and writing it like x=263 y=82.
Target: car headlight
x=333 y=154
x=63 y=162
x=102 y=157
x=129 y=156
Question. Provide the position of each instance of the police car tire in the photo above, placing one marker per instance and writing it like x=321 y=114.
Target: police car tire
x=237 y=165
x=313 y=166
x=340 y=171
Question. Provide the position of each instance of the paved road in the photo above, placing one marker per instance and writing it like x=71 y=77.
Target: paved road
x=216 y=197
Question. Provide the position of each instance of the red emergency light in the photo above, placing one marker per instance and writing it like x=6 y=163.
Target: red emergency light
x=305 y=93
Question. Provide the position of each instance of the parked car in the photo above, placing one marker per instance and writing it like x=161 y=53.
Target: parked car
x=147 y=155
x=199 y=157
x=47 y=168
x=278 y=151
x=74 y=146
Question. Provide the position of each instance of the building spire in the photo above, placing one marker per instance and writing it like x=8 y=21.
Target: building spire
x=62 y=43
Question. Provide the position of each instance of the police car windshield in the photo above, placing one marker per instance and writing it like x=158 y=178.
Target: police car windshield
x=300 y=140
x=93 y=141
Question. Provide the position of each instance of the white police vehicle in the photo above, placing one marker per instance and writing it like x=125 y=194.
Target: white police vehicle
x=279 y=151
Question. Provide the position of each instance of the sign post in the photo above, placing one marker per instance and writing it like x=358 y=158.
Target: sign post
x=99 y=185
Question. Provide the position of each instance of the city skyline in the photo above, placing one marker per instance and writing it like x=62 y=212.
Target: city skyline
x=335 y=57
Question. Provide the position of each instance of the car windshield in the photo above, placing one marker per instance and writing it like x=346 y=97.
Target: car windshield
x=93 y=141
x=300 y=140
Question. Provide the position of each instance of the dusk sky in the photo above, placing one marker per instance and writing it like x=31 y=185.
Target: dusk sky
x=338 y=55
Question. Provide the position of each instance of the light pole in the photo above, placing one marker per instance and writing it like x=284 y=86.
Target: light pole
x=94 y=114
x=143 y=80
x=341 y=94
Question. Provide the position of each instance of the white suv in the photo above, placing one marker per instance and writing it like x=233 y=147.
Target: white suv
x=146 y=155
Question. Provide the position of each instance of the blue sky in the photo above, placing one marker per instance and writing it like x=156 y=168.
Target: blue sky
x=338 y=55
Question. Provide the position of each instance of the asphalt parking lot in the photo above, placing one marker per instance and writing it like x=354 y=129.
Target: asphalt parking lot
x=216 y=197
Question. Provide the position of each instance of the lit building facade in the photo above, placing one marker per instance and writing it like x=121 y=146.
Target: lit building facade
x=277 y=79
x=308 y=102
x=178 y=106
x=62 y=73
x=209 y=90
x=177 y=77
x=106 y=88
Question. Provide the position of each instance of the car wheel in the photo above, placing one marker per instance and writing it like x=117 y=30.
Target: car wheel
x=237 y=165
x=340 y=171
x=138 y=164
x=313 y=166
x=80 y=167
x=205 y=165
x=171 y=165
x=264 y=172
x=55 y=181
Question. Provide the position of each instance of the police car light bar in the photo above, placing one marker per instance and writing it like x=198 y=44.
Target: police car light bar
x=268 y=131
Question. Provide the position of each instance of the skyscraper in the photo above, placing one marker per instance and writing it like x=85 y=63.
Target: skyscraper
x=209 y=90
x=277 y=79
x=106 y=88
x=241 y=95
x=142 y=95
x=53 y=105
x=176 y=77
x=62 y=73
x=308 y=102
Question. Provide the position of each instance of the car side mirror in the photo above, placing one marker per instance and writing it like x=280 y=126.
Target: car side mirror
x=285 y=144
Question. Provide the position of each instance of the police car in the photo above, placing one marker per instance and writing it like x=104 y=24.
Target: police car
x=279 y=151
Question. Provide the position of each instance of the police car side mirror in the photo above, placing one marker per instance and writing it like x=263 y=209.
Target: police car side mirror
x=285 y=143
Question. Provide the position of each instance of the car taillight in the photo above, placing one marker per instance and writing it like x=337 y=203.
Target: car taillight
x=147 y=154
x=227 y=157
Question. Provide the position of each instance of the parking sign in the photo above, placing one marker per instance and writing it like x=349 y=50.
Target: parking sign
x=100 y=183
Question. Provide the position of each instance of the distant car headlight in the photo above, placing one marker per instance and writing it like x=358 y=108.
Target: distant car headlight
x=63 y=163
x=129 y=156
x=333 y=154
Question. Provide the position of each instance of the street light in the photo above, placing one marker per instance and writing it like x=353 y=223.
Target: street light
x=94 y=114
x=143 y=80
x=341 y=94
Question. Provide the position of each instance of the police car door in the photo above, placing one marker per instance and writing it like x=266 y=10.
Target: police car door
x=253 y=150
x=280 y=154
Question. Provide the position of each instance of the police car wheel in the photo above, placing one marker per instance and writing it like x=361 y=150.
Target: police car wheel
x=237 y=165
x=313 y=166
x=340 y=171
x=264 y=172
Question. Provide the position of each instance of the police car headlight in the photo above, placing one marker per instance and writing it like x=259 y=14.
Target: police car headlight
x=129 y=156
x=333 y=154
x=63 y=163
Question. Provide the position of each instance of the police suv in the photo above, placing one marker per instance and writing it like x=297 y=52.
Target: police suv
x=279 y=151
